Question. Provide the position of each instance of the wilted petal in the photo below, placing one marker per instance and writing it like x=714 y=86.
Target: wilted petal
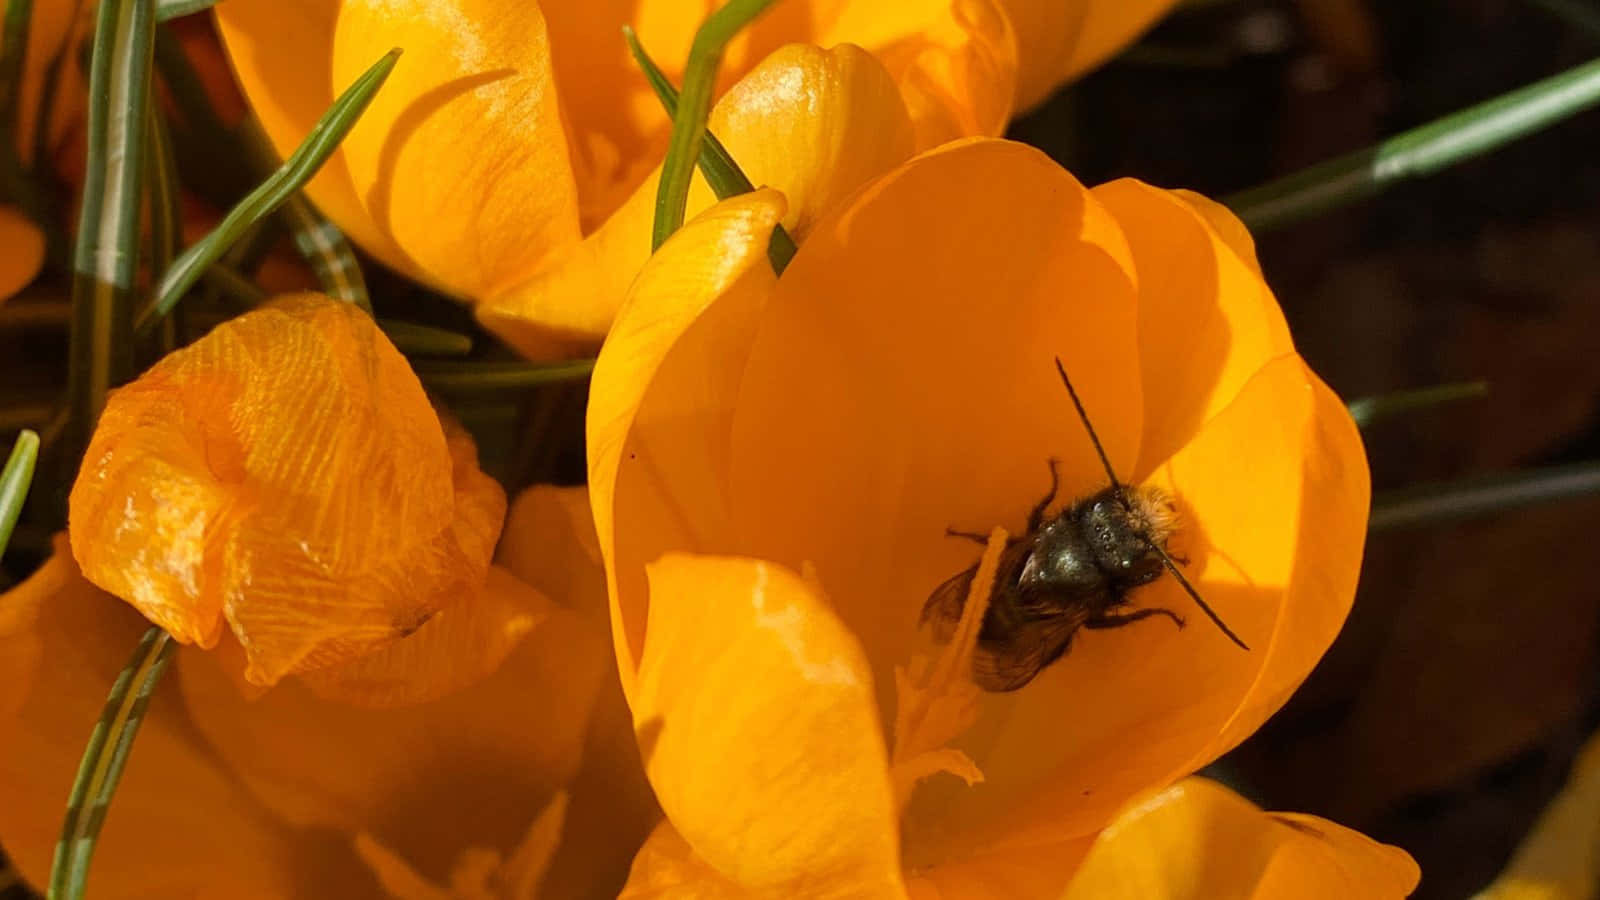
x=756 y=718
x=182 y=825
x=285 y=472
x=813 y=124
x=655 y=468
x=1197 y=841
x=24 y=251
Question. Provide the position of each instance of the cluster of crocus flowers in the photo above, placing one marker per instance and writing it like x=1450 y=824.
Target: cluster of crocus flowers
x=509 y=160
x=775 y=462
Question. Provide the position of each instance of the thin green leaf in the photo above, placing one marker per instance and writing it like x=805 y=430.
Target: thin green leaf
x=1429 y=503
x=171 y=9
x=424 y=340
x=107 y=254
x=1420 y=151
x=716 y=163
x=1366 y=410
x=103 y=761
x=166 y=218
x=234 y=286
x=14 y=483
x=694 y=104
x=291 y=177
x=492 y=376
x=13 y=48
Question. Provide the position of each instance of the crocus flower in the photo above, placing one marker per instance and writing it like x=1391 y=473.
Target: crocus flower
x=774 y=462
x=508 y=159
x=285 y=475
x=520 y=781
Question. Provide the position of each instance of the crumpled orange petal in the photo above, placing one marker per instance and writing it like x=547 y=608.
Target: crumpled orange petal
x=1197 y=840
x=811 y=123
x=24 y=251
x=62 y=642
x=755 y=714
x=286 y=474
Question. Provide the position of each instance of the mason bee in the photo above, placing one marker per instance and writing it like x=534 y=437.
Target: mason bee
x=1076 y=570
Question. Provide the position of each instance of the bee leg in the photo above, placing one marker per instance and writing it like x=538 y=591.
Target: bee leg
x=1117 y=621
x=1036 y=517
x=969 y=535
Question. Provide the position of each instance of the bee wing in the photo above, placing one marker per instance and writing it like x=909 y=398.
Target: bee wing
x=1007 y=661
x=942 y=612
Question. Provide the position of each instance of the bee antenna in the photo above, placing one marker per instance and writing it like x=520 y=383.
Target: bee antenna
x=1093 y=438
x=1194 y=594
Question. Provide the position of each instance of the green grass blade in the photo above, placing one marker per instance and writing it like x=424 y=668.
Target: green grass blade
x=694 y=104
x=13 y=46
x=103 y=761
x=166 y=217
x=1366 y=410
x=15 y=481
x=1429 y=503
x=107 y=254
x=1420 y=151
x=171 y=9
x=424 y=340
x=463 y=377
x=716 y=163
x=291 y=177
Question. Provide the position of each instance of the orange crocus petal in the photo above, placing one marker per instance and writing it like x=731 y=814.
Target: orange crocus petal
x=181 y=826
x=1277 y=559
x=1207 y=322
x=287 y=473
x=955 y=60
x=902 y=380
x=461 y=159
x=549 y=541
x=648 y=467
x=469 y=769
x=288 y=92
x=755 y=715
x=52 y=30
x=1057 y=40
x=666 y=868
x=24 y=251
x=1199 y=840
x=811 y=123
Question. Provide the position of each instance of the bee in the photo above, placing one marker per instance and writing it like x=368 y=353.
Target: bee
x=1076 y=570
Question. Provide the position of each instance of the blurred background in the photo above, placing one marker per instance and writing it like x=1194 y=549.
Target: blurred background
x=1449 y=710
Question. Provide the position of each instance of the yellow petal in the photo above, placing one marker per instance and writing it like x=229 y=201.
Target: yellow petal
x=814 y=124
x=466 y=770
x=902 y=380
x=755 y=715
x=1207 y=322
x=62 y=642
x=461 y=158
x=667 y=869
x=1560 y=857
x=647 y=467
x=24 y=251
x=1058 y=40
x=549 y=541
x=1199 y=840
x=285 y=472
x=288 y=92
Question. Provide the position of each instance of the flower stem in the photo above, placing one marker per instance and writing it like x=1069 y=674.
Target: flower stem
x=1425 y=504
x=14 y=483
x=694 y=104
x=450 y=377
x=1420 y=151
x=103 y=761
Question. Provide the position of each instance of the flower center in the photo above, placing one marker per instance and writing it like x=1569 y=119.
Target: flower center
x=936 y=700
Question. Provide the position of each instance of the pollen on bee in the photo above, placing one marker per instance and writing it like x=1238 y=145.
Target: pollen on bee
x=1157 y=510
